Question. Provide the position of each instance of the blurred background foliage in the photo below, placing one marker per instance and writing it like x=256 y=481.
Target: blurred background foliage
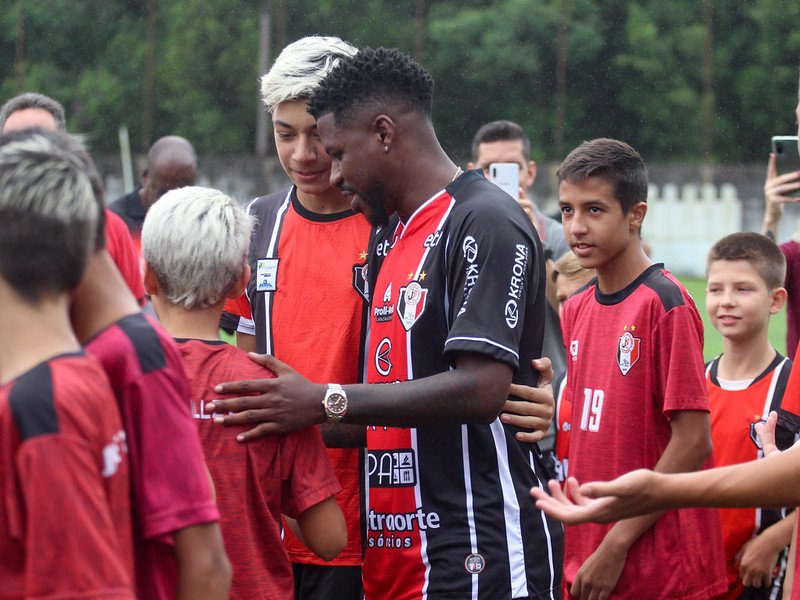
x=683 y=81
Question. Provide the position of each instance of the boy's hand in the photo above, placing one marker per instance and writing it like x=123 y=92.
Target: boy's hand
x=598 y=576
x=757 y=560
x=766 y=433
x=535 y=411
x=286 y=403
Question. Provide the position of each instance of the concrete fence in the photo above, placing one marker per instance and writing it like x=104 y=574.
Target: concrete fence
x=683 y=223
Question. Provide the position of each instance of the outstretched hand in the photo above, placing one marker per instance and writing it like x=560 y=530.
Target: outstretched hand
x=534 y=412
x=285 y=403
x=630 y=495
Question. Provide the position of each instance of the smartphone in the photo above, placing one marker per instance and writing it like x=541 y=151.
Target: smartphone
x=787 y=158
x=506 y=177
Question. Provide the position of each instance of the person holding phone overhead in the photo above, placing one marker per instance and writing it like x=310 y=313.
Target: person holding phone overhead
x=778 y=190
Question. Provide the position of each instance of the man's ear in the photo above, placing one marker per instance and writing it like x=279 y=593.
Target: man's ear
x=239 y=287
x=531 y=172
x=383 y=127
x=150 y=280
x=471 y=165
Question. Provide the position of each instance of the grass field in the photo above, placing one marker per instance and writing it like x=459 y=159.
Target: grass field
x=713 y=340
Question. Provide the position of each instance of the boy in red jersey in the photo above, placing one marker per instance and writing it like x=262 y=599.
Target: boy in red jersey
x=178 y=550
x=747 y=382
x=195 y=244
x=634 y=342
x=65 y=514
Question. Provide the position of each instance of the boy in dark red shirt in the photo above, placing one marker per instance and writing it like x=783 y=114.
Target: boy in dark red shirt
x=195 y=244
x=64 y=508
x=634 y=346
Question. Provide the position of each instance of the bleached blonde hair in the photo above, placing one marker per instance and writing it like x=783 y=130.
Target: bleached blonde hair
x=196 y=241
x=300 y=67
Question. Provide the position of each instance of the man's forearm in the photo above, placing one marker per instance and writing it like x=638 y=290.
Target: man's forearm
x=474 y=392
x=339 y=435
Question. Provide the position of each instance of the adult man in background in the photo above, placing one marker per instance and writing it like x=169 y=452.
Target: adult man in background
x=32 y=110
x=171 y=164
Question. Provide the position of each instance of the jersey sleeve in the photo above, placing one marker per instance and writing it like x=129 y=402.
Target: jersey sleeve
x=680 y=371
x=494 y=273
x=174 y=490
x=120 y=246
x=62 y=494
x=308 y=476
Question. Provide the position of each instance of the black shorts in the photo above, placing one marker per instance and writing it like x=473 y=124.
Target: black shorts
x=318 y=582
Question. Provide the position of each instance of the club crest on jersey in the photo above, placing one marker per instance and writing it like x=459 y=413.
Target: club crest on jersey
x=628 y=351
x=361 y=280
x=411 y=304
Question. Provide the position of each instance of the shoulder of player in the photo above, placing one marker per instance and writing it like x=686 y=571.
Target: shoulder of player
x=230 y=363
x=665 y=287
x=69 y=391
x=490 y=213
x=268 y=203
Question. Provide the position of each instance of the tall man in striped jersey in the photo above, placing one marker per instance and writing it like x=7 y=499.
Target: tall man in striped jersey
x=456 y=281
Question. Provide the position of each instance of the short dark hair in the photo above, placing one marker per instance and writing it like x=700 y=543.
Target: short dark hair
x=758 y=250
x=614 y=161
x=501 y=131
x=48 y=214
x=382 y=76
x=34 y=100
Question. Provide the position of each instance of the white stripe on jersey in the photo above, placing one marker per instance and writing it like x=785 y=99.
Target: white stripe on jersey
x=273 y=242
x=423 y=536
x=776 y=373
x=485 y=340
x=516 y=554
x=546 y=530
x=473 y=538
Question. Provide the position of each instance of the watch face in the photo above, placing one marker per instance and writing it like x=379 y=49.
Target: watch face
x=336 y=403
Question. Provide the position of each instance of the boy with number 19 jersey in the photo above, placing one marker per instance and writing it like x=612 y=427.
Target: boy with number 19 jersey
x=635 y=377
x=635 y=357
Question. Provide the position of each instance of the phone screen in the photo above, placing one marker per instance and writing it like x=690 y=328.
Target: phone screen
x=787 y=157
x=506 y=177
